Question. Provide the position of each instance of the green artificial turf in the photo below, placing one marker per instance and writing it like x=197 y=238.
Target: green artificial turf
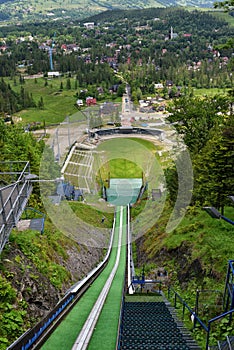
x=106 y=330
x=66 y=333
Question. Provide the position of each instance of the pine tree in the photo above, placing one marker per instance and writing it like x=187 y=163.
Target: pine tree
x=41 y=103
x=68 y=84
x=21 y=80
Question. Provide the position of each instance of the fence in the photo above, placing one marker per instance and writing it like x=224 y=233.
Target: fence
x=13 y=197
x=196 y=319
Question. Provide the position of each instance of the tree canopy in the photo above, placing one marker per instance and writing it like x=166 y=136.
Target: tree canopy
x=228 y=5
x=207 y=128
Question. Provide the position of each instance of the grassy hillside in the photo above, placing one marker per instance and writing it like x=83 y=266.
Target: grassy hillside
x=198 y=238
x=225 y=16
x=57 y=103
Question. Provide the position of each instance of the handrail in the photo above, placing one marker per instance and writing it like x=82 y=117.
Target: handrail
x=227 y=219
x=213 y=320
x=20 y=180
x=13 y=199
x=15 y=188
x=228 y=291
x=36 y=211
x=188 y=307
x=231 y=265
x=196 y=318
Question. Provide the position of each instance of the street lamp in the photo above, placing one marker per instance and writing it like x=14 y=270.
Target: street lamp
x=215 y=214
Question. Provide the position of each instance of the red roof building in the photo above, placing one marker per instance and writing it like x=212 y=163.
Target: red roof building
x=91 y=101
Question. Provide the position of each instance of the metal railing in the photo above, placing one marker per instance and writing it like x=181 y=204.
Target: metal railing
x=196 y=319
x=13 y=197
x=228 y=299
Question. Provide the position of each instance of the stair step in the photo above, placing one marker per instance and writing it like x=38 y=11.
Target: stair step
x=165 y=331
x=186 y=335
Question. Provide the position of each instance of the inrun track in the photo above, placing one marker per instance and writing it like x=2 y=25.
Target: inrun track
x=65 y=335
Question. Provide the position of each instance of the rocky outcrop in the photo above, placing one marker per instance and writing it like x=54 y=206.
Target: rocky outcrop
x=185 y=267
x=35 y=288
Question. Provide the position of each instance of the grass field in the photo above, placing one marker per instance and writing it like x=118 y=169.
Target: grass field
x=210 y=92
x=60 y=103
x=128 y=158
x=57 y=103
x=224 y=16
x=44 y=7
x=149 y=145
x=120 y=168
x=211 y=240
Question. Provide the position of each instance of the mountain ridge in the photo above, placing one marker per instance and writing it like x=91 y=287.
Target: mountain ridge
x=34 y=10
x=56 y=3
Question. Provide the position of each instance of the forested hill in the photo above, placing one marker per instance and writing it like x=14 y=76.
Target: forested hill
x=177 y=17
x=196 y=3
x=40 y=10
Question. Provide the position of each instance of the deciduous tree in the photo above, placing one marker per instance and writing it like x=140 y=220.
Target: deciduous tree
x=194 y=118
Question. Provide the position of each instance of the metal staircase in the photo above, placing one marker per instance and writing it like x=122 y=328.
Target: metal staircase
x=153 y=325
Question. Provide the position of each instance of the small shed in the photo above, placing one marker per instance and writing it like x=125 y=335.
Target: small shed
x=53 y=74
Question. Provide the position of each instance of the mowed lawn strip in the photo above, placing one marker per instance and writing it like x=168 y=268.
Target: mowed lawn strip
x=105 y=333
x=65 y=335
